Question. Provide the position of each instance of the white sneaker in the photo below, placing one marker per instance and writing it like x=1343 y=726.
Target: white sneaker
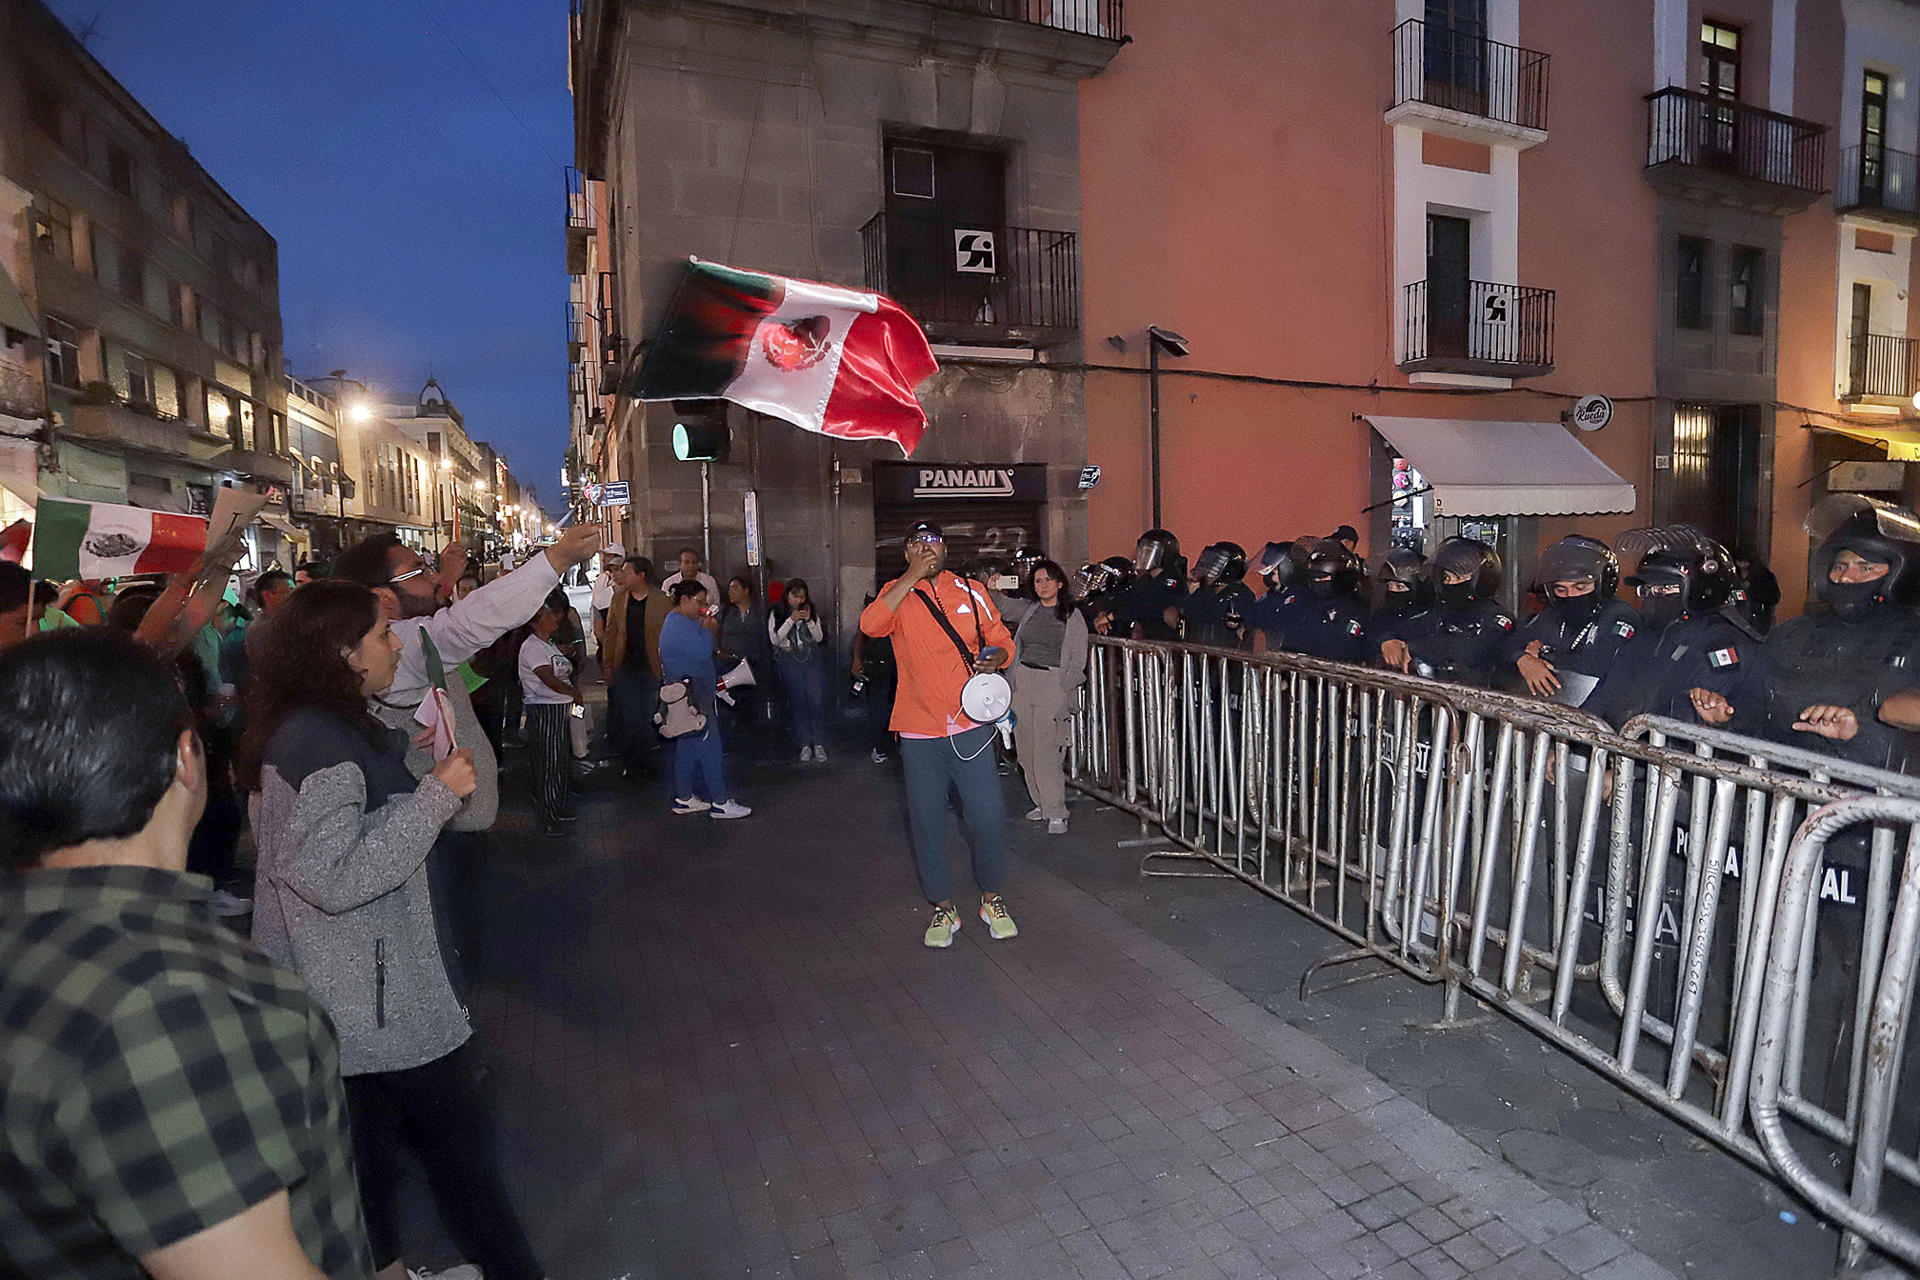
x=878 y=756
x=465 y=1271
x=1034 y=815
x=692 y=804
x=1056 y=826
x=227 y=905
x=729 y=809
x=820 y=752
x=806 y=755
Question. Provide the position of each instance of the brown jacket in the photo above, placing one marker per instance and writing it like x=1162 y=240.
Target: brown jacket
x=613 y=645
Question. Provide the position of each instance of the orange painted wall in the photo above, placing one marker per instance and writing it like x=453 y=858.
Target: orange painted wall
x=1256 y=219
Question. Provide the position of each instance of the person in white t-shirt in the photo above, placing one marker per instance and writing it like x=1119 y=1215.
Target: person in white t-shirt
x=691 y=570
x=549 y=691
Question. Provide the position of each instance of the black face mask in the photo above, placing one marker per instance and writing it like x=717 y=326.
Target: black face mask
x=1322 y=588
x=1455 y=595
x=1852 y=601
x=1577 y=609
x=1662 y=609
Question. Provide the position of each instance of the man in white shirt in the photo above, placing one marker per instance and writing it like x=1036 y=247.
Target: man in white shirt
x=690 y=571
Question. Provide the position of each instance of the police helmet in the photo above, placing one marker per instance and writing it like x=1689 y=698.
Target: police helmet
x=1872 y=530
x=1112 y=574
x=1025 y=556
x=1406 y=569
x=1472 y=557
x=1155 y=552
x=1578 y=558
x=1221 y=562
x=1685 y=557
x=1329 y=560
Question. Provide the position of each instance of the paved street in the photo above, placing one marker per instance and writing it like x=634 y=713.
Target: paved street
x=720 y=1049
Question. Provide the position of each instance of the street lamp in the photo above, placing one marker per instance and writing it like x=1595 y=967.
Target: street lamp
x=1173 y=344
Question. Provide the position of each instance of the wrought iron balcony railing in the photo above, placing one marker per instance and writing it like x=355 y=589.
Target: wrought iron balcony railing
x=576 y=329
x=1102 y=18
x=1473 y=326
x=1881 y=367
x=1442 y=67
x=1879 y=180
x=1705 y=131
x=966 y=282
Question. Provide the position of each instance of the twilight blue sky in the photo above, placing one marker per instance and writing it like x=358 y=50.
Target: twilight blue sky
x=419 y=225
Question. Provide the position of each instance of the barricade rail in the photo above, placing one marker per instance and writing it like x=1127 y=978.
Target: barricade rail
x=1639 y=899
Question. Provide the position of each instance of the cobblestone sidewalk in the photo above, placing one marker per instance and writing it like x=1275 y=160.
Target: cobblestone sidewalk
x=720 y=1050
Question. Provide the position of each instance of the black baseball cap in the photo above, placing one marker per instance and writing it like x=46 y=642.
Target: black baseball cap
x=925 y=529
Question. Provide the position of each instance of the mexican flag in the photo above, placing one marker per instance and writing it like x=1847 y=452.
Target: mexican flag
x=100 y=540
x=833 y=361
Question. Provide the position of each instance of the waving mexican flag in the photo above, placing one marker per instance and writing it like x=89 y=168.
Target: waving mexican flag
x=100 y=540
x=838 y=362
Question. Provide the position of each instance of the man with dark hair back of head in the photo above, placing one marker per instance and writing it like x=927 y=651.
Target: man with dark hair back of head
x=192 y=1119
x=16 y=602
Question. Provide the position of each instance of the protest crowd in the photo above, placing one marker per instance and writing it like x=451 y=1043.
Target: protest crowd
x=231 y=960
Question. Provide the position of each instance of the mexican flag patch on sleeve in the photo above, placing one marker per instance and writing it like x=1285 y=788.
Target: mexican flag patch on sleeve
x=1624 y=630
x=1723 y=657
x=1353 y=626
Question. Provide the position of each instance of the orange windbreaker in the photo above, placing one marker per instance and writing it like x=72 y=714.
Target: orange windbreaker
x=931 y=671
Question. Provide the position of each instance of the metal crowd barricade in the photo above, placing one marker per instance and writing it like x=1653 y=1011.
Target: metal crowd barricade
x=1522 y=853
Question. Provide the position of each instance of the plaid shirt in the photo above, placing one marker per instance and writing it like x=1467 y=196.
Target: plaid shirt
x=158 y=1075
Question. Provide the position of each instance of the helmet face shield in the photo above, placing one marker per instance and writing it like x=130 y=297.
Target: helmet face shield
x=1155 y=551
x=1877 y=532
x=1220 y=562
x=1579 y=559
x=1470 y=559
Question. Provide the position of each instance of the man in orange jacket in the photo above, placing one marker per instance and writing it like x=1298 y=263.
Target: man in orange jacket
x=940 y=748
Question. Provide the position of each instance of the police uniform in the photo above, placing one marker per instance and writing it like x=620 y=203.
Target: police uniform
x=1464 y=644
x=1822 y=659
x=1576 y=644
x=1205 y=611
x=1334 y=629
x=1655 y=671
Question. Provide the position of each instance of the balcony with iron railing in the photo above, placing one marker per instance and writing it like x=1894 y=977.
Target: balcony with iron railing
x=1881 y=370
x=1477 y=327
x=1879 y=182
x=1703 y=145
x=1466 y=86
x=580 y=220
x=1101 y=18
x=972 y=284
x=577 y=317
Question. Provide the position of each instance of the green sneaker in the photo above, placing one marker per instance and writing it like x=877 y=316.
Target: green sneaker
x=993 y=914
x=946 y=923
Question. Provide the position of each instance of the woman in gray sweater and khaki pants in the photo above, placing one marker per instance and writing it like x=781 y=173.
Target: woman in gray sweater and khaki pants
x=1050 y=637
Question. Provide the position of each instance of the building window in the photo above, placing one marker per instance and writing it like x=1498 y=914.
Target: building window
x=53 y=228
x=210 y=323
x=1690 y=296
x=276 y=432
x=132 y=276
x=247 y=438
x=139 y=379
x=1720 y=60
x=1745 y=291
x=120 y=168
x=63 y=353
x=176 y=303
x=223 y=414
x=912 y=173
x=44 y=109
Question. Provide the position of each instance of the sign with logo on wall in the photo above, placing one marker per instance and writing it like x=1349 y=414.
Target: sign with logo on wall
x=1493 y=309
x=1089 y=477
x=905 y=482
x=613 y=494
x=1592 y=413
x=973 y=253
x=591 y=492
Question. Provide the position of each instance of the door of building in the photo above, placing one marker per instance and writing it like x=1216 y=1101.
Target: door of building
x=1716 y=473
x=936 y=192
x=1720 y=81
x=983 y=510
x=1873 y=138
x=1456 y=54
x=1449 y=268
x=1858 y=324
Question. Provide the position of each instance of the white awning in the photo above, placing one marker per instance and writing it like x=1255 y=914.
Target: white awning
x=1506 y=468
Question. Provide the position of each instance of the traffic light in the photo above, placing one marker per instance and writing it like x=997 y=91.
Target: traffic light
x=700 y=430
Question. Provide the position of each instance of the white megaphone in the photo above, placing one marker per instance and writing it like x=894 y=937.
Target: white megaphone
x=738 y=678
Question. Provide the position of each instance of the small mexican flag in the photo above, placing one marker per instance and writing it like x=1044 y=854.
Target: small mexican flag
x=833 y=361
x=99 y=540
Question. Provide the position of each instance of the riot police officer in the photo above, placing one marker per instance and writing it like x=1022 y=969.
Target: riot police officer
x=1820 y=679
x=1463 y=637
x=1563 y=650
x=1684 y=651
x=1329 y=619
x=1405 y=589
x=1160 y=584
x=1215 y=612
x=1101 y=585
